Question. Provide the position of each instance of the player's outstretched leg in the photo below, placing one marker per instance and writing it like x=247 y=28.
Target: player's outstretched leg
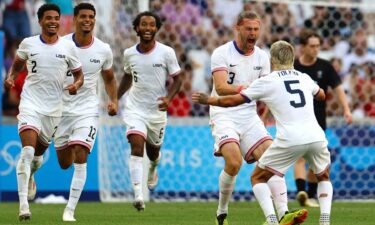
x=294 y=217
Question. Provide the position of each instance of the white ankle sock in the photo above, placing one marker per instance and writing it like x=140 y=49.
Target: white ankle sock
x=279 y=192
x=78 y=182
x=226 y=186
x=23 y=174
x=136 y=174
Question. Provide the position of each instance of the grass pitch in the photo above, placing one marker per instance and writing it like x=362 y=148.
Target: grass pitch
x=190 y=213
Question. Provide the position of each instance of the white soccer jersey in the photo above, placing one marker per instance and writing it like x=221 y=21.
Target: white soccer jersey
x=150 y=72
x=94 y=58
x=242 y=70
x=289 y=96
x=47 y=65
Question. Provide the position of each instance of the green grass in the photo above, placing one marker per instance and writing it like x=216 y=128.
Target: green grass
x=241 y=213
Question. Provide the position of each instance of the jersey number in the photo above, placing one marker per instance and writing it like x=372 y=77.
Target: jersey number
x=135 y=76
x=288 y=87
x=69 y=73
x=33 y=69
x=92 y=132
x=231 y=77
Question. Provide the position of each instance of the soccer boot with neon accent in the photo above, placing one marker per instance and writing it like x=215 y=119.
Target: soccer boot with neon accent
x=31 y=192
x=221 y=219
x=312 y=202
x=68 y=215
x=302 y=198
x=294 y=217
x=153 y=178
x=24 y=213
x=139 y=204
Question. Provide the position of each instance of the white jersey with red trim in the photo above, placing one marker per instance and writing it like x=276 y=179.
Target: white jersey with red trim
x=47 y=66
x=242 y=70
x=289 y=96
x=94 y=58
x=150 y=72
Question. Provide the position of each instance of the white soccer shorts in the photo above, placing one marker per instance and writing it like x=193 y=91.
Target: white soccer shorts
x=278 y=160
x=72 y=130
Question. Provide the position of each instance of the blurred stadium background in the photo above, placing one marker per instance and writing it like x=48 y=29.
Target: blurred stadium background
x=188 y=171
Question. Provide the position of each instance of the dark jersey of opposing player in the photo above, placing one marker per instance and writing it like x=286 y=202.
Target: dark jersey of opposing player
x=323 y=73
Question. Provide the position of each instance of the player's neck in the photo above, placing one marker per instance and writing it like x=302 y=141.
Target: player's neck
x=144 y=47
x=82 y=39
x=307 y=60
x=49 y=39
x=242 y=48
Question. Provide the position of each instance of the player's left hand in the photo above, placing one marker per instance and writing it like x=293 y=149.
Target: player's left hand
x=112 y=108
x=163 y=103
x=72 y=88
x=200 y=98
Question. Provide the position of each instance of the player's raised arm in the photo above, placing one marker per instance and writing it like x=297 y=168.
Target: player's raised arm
x=78 y=82
x=223 y=101
x=110 y=85
x=125 y=84
x=15 y=69
x=163 y=106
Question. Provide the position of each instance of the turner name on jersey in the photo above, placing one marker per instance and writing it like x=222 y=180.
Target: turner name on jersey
x=95 y=58
x=47 y=65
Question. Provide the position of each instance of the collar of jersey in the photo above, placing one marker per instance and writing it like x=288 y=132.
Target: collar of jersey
x=41 y=39
x=240 y=51
x=76 y=43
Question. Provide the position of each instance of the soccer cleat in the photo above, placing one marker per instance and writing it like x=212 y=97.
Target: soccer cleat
x=24 y=214
x=68 y=215
x=31 y=189
x=312 y=202
x=222 y=219
x=294 y=217
x=139 y=205
x=302 y=198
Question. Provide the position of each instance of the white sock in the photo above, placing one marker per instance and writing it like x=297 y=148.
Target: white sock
x=78 y=182
x=23 y=174
x=279 y=193
x=226 y=186
x=136 y=173
x=36 y=164
x=263 y=195
x=325 y=192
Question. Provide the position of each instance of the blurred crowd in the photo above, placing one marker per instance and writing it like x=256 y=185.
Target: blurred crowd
x=194 y=28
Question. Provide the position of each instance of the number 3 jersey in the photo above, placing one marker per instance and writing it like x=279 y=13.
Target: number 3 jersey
x=150 y=72
x=47 y=65
x=95 y=57
x=289 y=96
x=242 y=70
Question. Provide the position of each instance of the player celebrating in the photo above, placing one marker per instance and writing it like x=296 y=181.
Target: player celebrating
x=147 y=67
x=289 y=95
x=239 y=133
x=48 y=59
x=323 y=73
x=77 y=130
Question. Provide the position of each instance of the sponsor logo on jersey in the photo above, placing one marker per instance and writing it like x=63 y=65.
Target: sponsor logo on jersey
x=32 y=54
x=319 y=74
x=95 y=60
x=233 y=65
x=257 y=68
x=23 y=123
x=61 y=56
x=157 y=65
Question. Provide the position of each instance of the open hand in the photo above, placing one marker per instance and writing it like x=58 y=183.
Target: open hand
x=200 y=98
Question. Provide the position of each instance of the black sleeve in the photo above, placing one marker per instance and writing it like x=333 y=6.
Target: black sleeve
x=334 y=79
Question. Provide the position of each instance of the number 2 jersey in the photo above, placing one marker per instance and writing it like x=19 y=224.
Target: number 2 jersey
x=95 y=58
x=242 y=70
x=47 y=66
x=150 y=72
x=289 y=96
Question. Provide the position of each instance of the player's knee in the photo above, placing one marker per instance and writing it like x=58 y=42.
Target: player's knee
x=234 y=166
x=323 y=176
x=65 y=165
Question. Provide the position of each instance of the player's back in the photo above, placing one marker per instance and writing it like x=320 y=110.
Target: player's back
x=289 y=96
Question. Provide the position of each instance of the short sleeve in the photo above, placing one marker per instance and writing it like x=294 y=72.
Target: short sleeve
x=172 y=63
x=218 y=62
x=108 y=63
x=73 y=61
x=254 y=91
x=22 y=51
x=334 y=79
x=266 y=64
x=314 y=87
x=127 y=65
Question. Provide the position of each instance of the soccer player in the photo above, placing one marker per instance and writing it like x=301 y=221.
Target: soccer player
x=323 y=73
x=147 y=67
x=289 y=95
x=76 y=133
x=239 y=133
x=48 y=58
